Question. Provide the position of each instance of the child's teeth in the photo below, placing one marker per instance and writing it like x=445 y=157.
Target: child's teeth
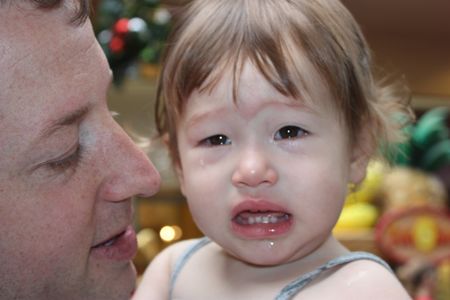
x=269 y=219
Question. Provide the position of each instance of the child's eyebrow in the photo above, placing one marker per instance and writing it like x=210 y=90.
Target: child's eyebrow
x=201 y=116
x=218 y=113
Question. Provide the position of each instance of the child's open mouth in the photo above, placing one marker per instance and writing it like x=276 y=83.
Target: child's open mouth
x=260 y=220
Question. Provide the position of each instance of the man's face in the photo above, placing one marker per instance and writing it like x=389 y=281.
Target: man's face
x=67 y=170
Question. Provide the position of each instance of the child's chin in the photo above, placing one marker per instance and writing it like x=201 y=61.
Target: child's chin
x=262 y=258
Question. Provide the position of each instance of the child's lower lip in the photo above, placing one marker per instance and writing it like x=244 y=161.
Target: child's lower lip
x=261 y=225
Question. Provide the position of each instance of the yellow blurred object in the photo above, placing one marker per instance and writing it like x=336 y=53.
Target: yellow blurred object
x=369 y=187
x=357 y=216
x=405 y=187
x=443 y=280
x=425 y=234
x=148 y=247
x=147 y=243
x=170 y=233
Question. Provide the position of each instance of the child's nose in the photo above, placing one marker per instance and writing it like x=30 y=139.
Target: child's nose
x=253 y=169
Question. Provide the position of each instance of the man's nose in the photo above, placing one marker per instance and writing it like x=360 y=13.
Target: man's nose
x=253 y=168
x=131 y=173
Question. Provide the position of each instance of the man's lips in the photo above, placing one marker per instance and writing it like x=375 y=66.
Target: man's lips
x=122 y=246
x=260 y=219
x=109 y=241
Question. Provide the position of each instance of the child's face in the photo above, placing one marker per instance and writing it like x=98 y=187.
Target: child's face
x=265 y=179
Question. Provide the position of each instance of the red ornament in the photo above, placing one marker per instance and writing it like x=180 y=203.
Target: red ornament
x=121 y=26
x=423 y=297
x=116 y=44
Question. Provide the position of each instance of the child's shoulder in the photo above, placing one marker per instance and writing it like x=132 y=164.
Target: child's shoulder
x=368 y=279
x=174 y=251
x=155 y=282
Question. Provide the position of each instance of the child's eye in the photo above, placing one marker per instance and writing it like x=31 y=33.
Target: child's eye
x=216 y=140
x=290 y=132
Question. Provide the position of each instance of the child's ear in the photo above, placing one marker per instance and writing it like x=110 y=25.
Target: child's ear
x=361 y=153
x=165 y=139
x=179 y=173
x=176 y=162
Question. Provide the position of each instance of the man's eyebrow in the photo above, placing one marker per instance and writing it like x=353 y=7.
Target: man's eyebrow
x=66 y=120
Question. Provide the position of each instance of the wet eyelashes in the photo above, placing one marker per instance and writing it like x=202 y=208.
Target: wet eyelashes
x=285 y=133
x=215 y=140
x=290 y=132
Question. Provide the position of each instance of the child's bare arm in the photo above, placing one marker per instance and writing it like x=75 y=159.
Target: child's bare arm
x=368 y=280
x=155 y=282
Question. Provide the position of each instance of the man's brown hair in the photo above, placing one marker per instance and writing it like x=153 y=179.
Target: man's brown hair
x=80 y=15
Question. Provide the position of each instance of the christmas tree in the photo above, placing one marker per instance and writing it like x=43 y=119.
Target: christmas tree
x=130 y=32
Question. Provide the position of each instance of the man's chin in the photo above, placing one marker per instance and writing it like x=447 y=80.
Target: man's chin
x=116 y=284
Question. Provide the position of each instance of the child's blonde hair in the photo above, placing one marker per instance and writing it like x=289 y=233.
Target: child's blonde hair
x=213 y=36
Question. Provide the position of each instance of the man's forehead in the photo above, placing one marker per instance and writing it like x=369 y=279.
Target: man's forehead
x=42 y=39
x=38 y=54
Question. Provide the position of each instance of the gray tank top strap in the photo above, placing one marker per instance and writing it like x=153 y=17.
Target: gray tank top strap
x=297 y=285
x=293 y=287
x=181 y=261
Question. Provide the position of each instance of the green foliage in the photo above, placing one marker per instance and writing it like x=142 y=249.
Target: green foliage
x=428 y=145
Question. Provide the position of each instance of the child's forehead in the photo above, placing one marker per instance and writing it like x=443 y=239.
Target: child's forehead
x=284 y=39
x=250 y=86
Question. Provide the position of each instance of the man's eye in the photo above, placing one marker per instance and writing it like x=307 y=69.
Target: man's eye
x=216 y=140
x=290 y=132
x=68 y=162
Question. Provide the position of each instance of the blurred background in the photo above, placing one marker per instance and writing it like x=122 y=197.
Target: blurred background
x=400 y=212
